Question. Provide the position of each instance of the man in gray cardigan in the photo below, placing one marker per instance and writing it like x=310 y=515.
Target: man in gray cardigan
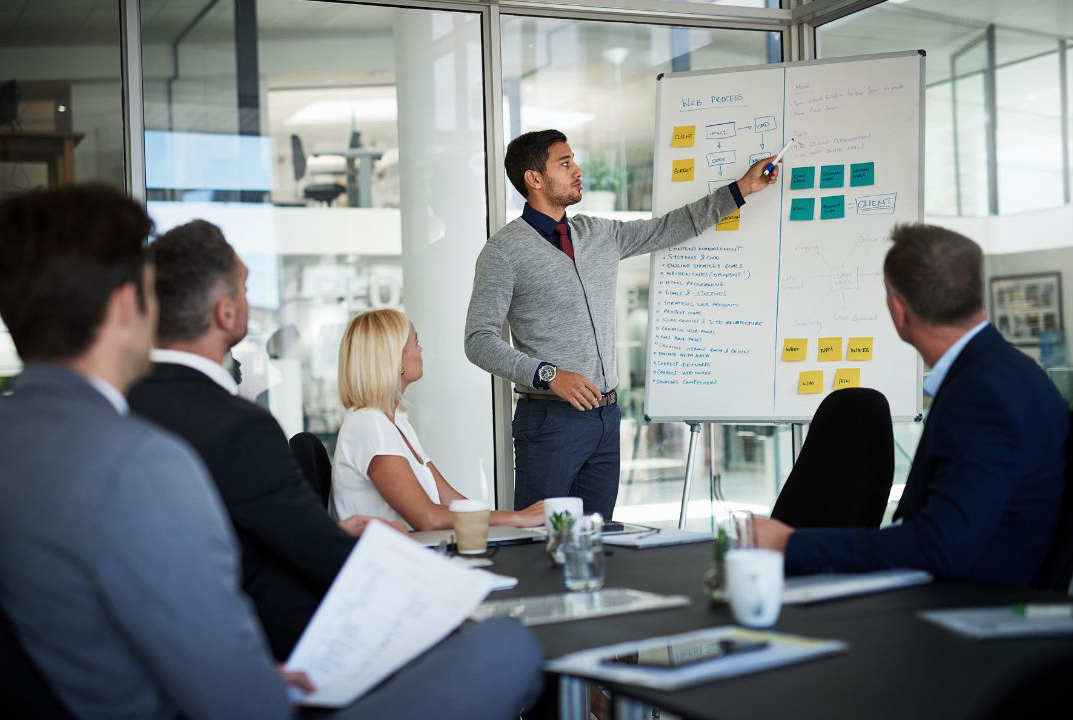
x=553 y=279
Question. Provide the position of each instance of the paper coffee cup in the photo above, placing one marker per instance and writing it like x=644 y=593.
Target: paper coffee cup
x=470 y=518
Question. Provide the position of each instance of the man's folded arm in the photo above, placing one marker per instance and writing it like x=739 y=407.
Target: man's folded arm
x=169 y=571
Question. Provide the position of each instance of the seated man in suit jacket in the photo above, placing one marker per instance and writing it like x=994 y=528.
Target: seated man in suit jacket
x=291 y=549
x=983 y=494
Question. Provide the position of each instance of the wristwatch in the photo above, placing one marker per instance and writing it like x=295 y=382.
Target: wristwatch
x=546 y=374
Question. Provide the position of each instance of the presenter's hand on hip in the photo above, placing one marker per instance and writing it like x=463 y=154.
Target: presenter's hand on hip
x=576 y=389
x=754 y=178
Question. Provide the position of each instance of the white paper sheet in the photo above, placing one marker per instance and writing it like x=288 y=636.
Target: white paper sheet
x=391 y=601
x=1001 y=622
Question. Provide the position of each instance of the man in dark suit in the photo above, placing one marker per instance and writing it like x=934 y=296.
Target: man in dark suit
x=982 y=497
x=291 y=549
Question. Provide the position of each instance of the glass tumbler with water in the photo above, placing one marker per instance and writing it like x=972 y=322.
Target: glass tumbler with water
x=584 y=554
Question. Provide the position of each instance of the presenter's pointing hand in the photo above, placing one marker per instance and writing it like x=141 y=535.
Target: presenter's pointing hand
x=754 y=178
x=576 y=389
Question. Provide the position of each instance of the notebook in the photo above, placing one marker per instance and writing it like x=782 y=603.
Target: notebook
x=496 y=536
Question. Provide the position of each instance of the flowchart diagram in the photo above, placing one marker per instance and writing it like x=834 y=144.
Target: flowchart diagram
x=788 y=290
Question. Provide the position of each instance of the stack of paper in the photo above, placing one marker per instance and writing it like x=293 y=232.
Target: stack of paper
x=561 y=607
x=781 y=650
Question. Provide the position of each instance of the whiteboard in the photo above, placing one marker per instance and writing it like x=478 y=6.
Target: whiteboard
x=801 y=269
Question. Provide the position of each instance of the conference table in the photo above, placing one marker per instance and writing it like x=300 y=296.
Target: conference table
x=897 y=665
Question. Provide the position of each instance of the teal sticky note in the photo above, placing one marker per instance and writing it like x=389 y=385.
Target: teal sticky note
x=832 y=207
x=861 y=174
x=802 y=178
x=802 y=208
x=832 y=176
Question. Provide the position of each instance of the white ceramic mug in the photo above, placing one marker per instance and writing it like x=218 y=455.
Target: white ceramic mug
x=754 y=584
x=572 y=505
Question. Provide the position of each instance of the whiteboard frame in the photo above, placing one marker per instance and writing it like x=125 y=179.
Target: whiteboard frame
x=657 y=157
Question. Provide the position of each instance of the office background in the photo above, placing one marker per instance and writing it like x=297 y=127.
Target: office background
x=352 y=153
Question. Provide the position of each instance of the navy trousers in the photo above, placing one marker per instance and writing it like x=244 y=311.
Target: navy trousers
x=559 y=451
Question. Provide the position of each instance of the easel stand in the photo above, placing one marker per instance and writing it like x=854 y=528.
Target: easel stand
x=695 y=427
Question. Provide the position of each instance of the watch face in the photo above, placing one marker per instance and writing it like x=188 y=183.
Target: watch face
x=547 y=373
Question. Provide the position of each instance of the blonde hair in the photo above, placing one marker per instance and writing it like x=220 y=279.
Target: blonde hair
x=370 y=360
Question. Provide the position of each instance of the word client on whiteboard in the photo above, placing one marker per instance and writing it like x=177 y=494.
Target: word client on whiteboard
x=552 y=278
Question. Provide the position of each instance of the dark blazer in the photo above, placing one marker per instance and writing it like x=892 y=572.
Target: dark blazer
x=982 y=497
x=291 y=549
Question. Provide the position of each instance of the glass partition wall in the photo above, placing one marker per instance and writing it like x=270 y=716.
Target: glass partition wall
x=351 y=150
x=341 y=149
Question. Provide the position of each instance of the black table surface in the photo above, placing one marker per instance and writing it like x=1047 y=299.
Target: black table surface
x=897 y=665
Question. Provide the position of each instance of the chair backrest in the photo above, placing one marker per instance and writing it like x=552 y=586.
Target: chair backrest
x=24 y=691
x=1057 y=570
x=298 y=158
x=313 y=459
x=845 y=469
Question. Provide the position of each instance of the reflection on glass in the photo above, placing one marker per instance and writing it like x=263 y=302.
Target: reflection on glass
x=61 y=105
x=341 y=150
x=596 y=81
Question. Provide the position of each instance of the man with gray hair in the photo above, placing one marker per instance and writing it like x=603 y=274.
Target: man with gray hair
x=983 y=494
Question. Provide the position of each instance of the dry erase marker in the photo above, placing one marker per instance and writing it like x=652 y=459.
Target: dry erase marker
x=771 y=165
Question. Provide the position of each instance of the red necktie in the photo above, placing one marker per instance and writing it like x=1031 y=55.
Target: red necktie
x=564 y=240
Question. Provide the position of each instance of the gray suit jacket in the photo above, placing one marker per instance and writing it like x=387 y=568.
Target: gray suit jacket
x=118 y=568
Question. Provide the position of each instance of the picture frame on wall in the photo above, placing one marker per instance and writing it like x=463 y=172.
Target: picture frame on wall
x=1026 y=308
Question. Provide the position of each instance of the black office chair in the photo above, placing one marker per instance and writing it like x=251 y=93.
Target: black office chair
x=318 y=192
x=313 y=459
x=842 y=477
x=24 y=691
x=1057 y=570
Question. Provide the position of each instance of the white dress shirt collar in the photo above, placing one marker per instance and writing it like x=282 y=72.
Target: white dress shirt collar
x=214 y=370
x=111 y=394
x=938 y=373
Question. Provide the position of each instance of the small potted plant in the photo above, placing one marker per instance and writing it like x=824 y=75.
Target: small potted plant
x=560 y=522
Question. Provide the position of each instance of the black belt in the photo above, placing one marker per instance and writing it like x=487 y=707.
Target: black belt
x=606 y=399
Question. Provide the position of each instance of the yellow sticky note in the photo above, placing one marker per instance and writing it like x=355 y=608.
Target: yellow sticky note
x=682 y=170
x=847 y=378
x=859 y=348
x=830 y=349
x=730 y=222
x=810 y=383
x=683 y=135
x=793 y=349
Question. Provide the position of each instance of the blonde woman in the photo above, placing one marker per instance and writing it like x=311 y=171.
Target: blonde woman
x=379 y=463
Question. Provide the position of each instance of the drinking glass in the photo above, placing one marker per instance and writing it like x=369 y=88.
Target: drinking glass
x=734 y=529
x=583 y=552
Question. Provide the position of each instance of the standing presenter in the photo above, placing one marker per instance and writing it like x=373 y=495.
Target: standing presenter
x=553 y=278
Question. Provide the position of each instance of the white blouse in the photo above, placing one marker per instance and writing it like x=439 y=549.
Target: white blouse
x=364 y=434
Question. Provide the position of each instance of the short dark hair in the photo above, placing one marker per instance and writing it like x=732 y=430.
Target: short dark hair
x=529 y=151
x=191 y=262
x=63 y=253
x=938 y=272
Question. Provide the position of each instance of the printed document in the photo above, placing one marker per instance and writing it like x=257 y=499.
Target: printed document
x=391 y=601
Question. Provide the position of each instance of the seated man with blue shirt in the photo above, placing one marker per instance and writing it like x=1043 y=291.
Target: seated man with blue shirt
x=982 y=497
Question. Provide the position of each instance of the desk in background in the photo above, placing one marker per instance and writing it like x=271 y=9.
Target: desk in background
x=898 y=666
x=55 y=149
